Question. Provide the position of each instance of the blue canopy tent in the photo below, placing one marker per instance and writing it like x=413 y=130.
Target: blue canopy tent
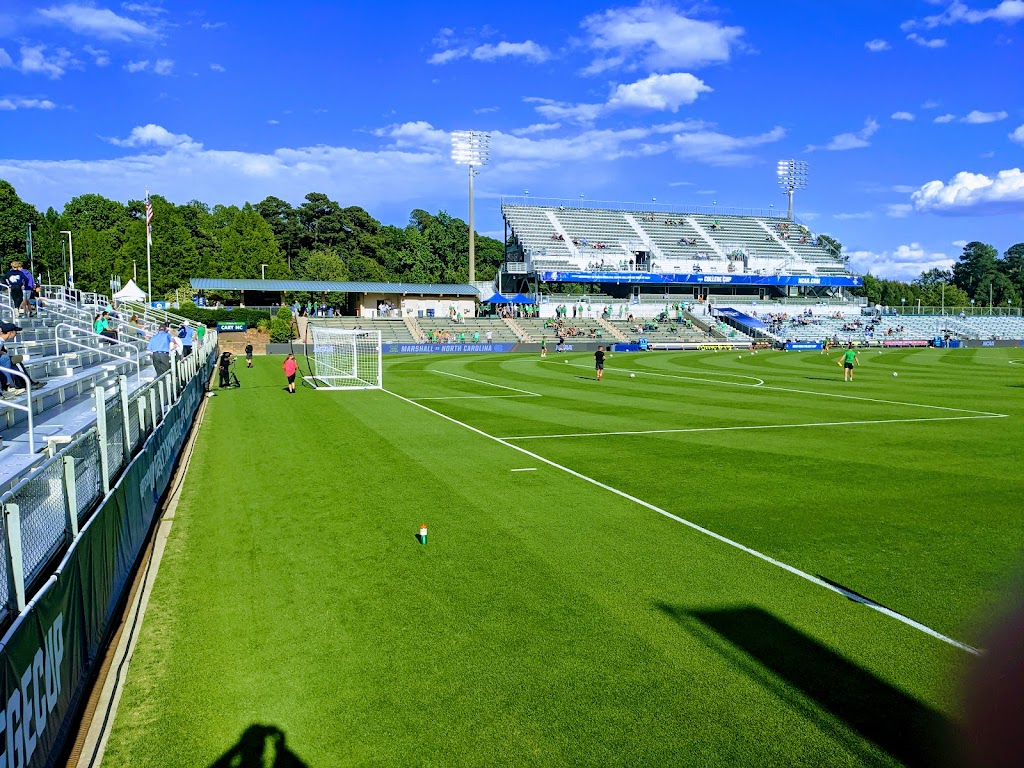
x=497 y=299
x=520 y=299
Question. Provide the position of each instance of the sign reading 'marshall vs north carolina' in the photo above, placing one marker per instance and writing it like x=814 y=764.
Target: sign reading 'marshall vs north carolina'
x=27 y=711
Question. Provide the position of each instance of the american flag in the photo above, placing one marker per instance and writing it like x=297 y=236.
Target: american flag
x=149 y=221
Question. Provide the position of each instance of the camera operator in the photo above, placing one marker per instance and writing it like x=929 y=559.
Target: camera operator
x=224 y=368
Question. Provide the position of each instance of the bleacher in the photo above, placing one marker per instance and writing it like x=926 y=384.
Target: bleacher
x=575 y=238
x=586 y=329
x=661 y=332
x=500 y=332
x=391 y=328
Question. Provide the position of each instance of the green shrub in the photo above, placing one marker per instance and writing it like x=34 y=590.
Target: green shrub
x=280 y=330
x=284 y=313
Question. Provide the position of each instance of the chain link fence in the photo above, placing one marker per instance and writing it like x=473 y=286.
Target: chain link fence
x=88 y=474
x=43 y=518
x=115 y=438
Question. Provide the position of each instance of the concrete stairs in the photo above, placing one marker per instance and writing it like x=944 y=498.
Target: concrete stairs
x=414 y=328
x=517 y=329
x=614 y=332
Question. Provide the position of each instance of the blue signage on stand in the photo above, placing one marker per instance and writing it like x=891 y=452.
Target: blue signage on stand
x=700 y=278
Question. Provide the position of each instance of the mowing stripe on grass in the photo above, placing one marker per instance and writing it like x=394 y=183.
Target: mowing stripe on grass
x=488 y=383
x=700 y=529
x=756 y=426
x=471 y=397
x=812 y=392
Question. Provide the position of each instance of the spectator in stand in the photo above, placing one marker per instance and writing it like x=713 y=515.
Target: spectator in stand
x=15 y=281
x=161 y=345
x=187 y=337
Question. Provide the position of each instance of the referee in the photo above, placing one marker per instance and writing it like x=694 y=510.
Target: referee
x=160 y=345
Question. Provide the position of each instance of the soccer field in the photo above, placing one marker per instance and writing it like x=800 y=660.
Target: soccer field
x=647 y=570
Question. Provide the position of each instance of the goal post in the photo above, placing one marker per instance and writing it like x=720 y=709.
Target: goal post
x=343 y=358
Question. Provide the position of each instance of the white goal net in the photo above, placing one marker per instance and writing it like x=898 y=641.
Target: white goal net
x=343 y=358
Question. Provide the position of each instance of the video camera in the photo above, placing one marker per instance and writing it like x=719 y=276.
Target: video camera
x=226 y=367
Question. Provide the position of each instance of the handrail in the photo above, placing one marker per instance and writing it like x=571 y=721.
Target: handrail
x=27 y=407
x=135 y=362
x=161 y=315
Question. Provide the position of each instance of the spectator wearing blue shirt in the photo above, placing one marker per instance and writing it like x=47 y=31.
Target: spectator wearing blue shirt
x=187 y=337
x=29 y=291
x=160 y=345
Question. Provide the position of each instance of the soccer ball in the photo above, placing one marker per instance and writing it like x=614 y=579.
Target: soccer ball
x=632 y=375
x=740 y=357
x=566 y=362
x=895 y=374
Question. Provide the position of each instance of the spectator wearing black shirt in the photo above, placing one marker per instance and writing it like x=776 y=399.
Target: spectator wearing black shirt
x=15 y=280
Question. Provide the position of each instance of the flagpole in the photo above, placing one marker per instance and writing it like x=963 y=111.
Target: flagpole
x=149 y=243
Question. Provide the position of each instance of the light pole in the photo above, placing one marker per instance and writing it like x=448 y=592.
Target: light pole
x=792 y=176
x=71 y=258
x=471 y=148
x=28 y=245
x=263 y=271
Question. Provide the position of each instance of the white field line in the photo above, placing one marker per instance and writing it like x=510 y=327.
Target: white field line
x=812 y=392
x=488 y=383
x=1017 y=362
x=758 y=426
x=700 y=529
x=473 y=397
x=525 y=469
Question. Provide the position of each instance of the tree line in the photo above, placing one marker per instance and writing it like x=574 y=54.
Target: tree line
x=322 y=240
x=317 y=240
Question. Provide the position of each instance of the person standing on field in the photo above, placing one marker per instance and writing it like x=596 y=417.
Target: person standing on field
x=849 y=358
x=290 y=369
x=599 y=362
x=248 y=355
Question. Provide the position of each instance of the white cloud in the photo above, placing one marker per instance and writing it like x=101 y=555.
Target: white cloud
x=35 y=61
x=959 y=243
x=528 y=50
x=100 y=58
x=947 y=118
x=973 y=194
x=9 y=105
x=906 y=262
x=903 y=189
x=658 y=92
x=163 y=66
x=218 y=68
x=208 y=25
x=980 y=118
x=443 y=57
x=143 y=9
x=716 y=148
x=930 y=104
x=907 y=116
x=899 y=210
x=5 y=59
x=273 y=122
x=657 y=36
x=854 y=216
x=98 y=22
x=137 y=66
x=154 y=135
x=1008 y=11
x=877 y=45
x=1018 y=135
x=936 y=42
x=536 y=128
x=844 y=141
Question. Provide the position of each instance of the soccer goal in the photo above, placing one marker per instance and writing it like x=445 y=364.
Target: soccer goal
x=343 y=358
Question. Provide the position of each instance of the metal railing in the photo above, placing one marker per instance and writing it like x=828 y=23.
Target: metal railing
x=106 y=341
x=27 y=407
x=647 y=207
x=43 y=512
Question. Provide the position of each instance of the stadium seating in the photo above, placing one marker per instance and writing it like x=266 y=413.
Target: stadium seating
x=500 y=332
x=576 y=238
x=391 y=329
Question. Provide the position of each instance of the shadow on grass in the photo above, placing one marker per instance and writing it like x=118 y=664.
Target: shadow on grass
x=798 y=668
x=259 y=746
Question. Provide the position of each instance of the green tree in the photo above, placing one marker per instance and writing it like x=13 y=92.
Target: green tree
x=1012 y=265
x=323 y=264
x=15 y=214
x=976 y=267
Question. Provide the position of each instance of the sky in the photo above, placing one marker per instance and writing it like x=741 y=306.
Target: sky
x=909 y=114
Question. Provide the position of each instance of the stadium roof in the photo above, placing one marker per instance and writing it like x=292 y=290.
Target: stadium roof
x=220 y=284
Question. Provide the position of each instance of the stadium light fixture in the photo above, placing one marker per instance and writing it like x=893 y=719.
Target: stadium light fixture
x=71 y=252
x=792 y=176
x=471 y=148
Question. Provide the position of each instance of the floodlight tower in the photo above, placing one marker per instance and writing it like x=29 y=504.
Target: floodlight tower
x=471 y=148
x=792 y=176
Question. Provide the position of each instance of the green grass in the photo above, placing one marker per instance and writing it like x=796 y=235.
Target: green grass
x=549 y=621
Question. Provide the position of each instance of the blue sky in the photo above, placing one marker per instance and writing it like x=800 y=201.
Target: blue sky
x=910 y=114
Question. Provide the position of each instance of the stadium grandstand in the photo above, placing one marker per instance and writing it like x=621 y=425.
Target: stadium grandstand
x=635 y=249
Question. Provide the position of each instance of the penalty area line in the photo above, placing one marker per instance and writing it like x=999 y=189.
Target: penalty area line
x=700 y=529
x=755 y=426
x=488 y=383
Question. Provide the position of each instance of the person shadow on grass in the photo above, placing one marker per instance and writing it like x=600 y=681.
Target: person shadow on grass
x=261 y=746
